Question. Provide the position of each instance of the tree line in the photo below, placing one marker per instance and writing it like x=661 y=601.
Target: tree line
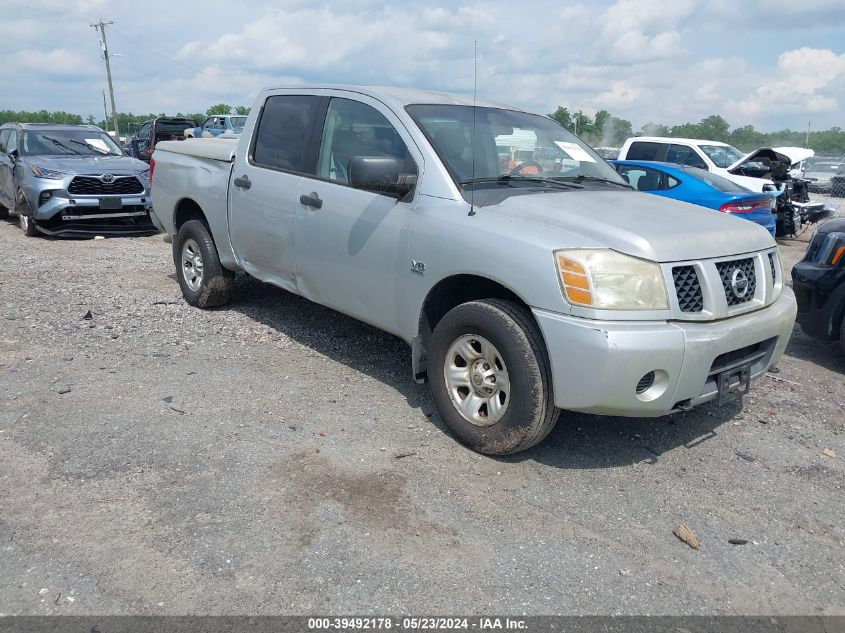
x=602 y=129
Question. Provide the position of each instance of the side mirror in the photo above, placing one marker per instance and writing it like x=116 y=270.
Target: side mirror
x=13 y=156
x=381 y=174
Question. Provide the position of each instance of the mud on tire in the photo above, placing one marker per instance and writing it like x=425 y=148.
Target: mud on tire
x=213 y=287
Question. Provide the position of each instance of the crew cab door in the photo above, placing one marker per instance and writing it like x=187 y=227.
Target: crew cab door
x=352 y=244
x=264 y=191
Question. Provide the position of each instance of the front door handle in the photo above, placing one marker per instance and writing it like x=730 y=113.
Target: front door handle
x=312 y=200
x=243 y=182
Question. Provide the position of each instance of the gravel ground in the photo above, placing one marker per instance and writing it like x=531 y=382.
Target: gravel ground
x=161 y=459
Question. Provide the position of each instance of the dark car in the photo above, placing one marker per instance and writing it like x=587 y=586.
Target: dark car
x=163 y=128
x=819 y=283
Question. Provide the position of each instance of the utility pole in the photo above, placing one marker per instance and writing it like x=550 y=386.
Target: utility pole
x=807 y=140
x=105 y=48
x=105 y=113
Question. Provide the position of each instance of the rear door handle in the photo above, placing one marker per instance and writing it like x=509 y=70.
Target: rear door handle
x=312 y=200
x=243 y=182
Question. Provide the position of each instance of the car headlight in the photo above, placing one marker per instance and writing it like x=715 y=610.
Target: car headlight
x=607 y=280
x=40 y=172
x=832 y=250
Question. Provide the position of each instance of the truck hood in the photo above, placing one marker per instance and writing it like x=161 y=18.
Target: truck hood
x=638 y=224
x=89 y=164
x=787 y=155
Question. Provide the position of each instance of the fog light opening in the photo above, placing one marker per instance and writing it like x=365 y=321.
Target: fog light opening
x=652 y=385
x=645 y=383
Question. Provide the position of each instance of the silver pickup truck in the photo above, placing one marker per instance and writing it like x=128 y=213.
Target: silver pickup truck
x=524 y=273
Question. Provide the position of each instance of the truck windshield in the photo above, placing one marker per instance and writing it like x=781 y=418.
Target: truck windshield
x=508 y=145
x=722 y=155
x=78 y=141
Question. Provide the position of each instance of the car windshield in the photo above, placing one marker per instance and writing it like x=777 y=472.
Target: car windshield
x=238 y=122
x=722 y=155
x=58 y=142
x=717 y=182
x=508 y=145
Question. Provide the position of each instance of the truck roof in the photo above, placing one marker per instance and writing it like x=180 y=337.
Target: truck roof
x=401 y=97
x=672 y=139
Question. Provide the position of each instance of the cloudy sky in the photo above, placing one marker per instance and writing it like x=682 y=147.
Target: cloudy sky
x=771 y=63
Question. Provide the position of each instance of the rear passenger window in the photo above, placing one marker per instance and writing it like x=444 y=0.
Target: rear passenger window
x=684 y=155
x=4 y=136
x=284 y=129
x=643 y=150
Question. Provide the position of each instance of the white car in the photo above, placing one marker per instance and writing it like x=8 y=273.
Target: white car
x=749 y=170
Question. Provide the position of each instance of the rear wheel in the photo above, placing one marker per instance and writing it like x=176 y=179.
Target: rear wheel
x=205 y=283
x=490 y=377
x=4 y=212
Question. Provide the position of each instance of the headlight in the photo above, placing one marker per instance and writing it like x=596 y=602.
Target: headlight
x=40 y=172
x=832 y=250
x=607 y=280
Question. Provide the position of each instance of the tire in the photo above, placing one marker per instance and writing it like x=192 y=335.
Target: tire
x=4 y=212
x=510 y=348
x=25 y=219
x=194 y=252
x=842 y=335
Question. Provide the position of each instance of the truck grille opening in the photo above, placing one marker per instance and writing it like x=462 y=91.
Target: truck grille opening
x=93 y=186
x=688 y=289
x=728 y=272
x=740 y=356
x=773 y=264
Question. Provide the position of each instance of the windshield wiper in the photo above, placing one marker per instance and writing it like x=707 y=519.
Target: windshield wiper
x=582 y=177
x=105 y=152
x=507 y=179
x=56 y=141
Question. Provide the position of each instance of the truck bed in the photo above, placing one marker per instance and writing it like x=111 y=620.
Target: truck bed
x=195 y=172
x=218 y=148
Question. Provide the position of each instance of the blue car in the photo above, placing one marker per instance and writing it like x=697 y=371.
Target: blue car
x=698 y=186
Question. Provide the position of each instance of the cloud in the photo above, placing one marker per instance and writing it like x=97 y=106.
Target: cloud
x=663 y=60
x=809 y=81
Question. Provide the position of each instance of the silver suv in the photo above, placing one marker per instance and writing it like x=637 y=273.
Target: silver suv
x=72 y=180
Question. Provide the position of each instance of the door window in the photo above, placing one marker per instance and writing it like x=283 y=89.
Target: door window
x=285 y=127
x=144 y=130
x=643 y=150
x=4 y=137
x=355 y=129
x=646 y=179
x=12 y=143
x=685 y=155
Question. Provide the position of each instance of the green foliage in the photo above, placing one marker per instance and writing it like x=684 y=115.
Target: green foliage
x=42 y=116
x=219 y=108
x=242 y=110
x=604 y=129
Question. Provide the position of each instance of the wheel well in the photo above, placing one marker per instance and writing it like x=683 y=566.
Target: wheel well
x=447 y=294
x=186 y=210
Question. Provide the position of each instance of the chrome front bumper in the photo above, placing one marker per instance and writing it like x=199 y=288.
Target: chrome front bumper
x=597 y=365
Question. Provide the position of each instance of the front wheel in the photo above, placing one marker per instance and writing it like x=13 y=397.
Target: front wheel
x=490 y=377
x=25 y=219
x=205 y=283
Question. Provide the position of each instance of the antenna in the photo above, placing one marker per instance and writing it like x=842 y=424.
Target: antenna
x=474 y=96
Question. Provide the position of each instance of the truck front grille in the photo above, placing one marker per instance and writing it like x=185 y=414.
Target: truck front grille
x=773 y=264
x=93 y=186
x=732 y=271
x=688 y=289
